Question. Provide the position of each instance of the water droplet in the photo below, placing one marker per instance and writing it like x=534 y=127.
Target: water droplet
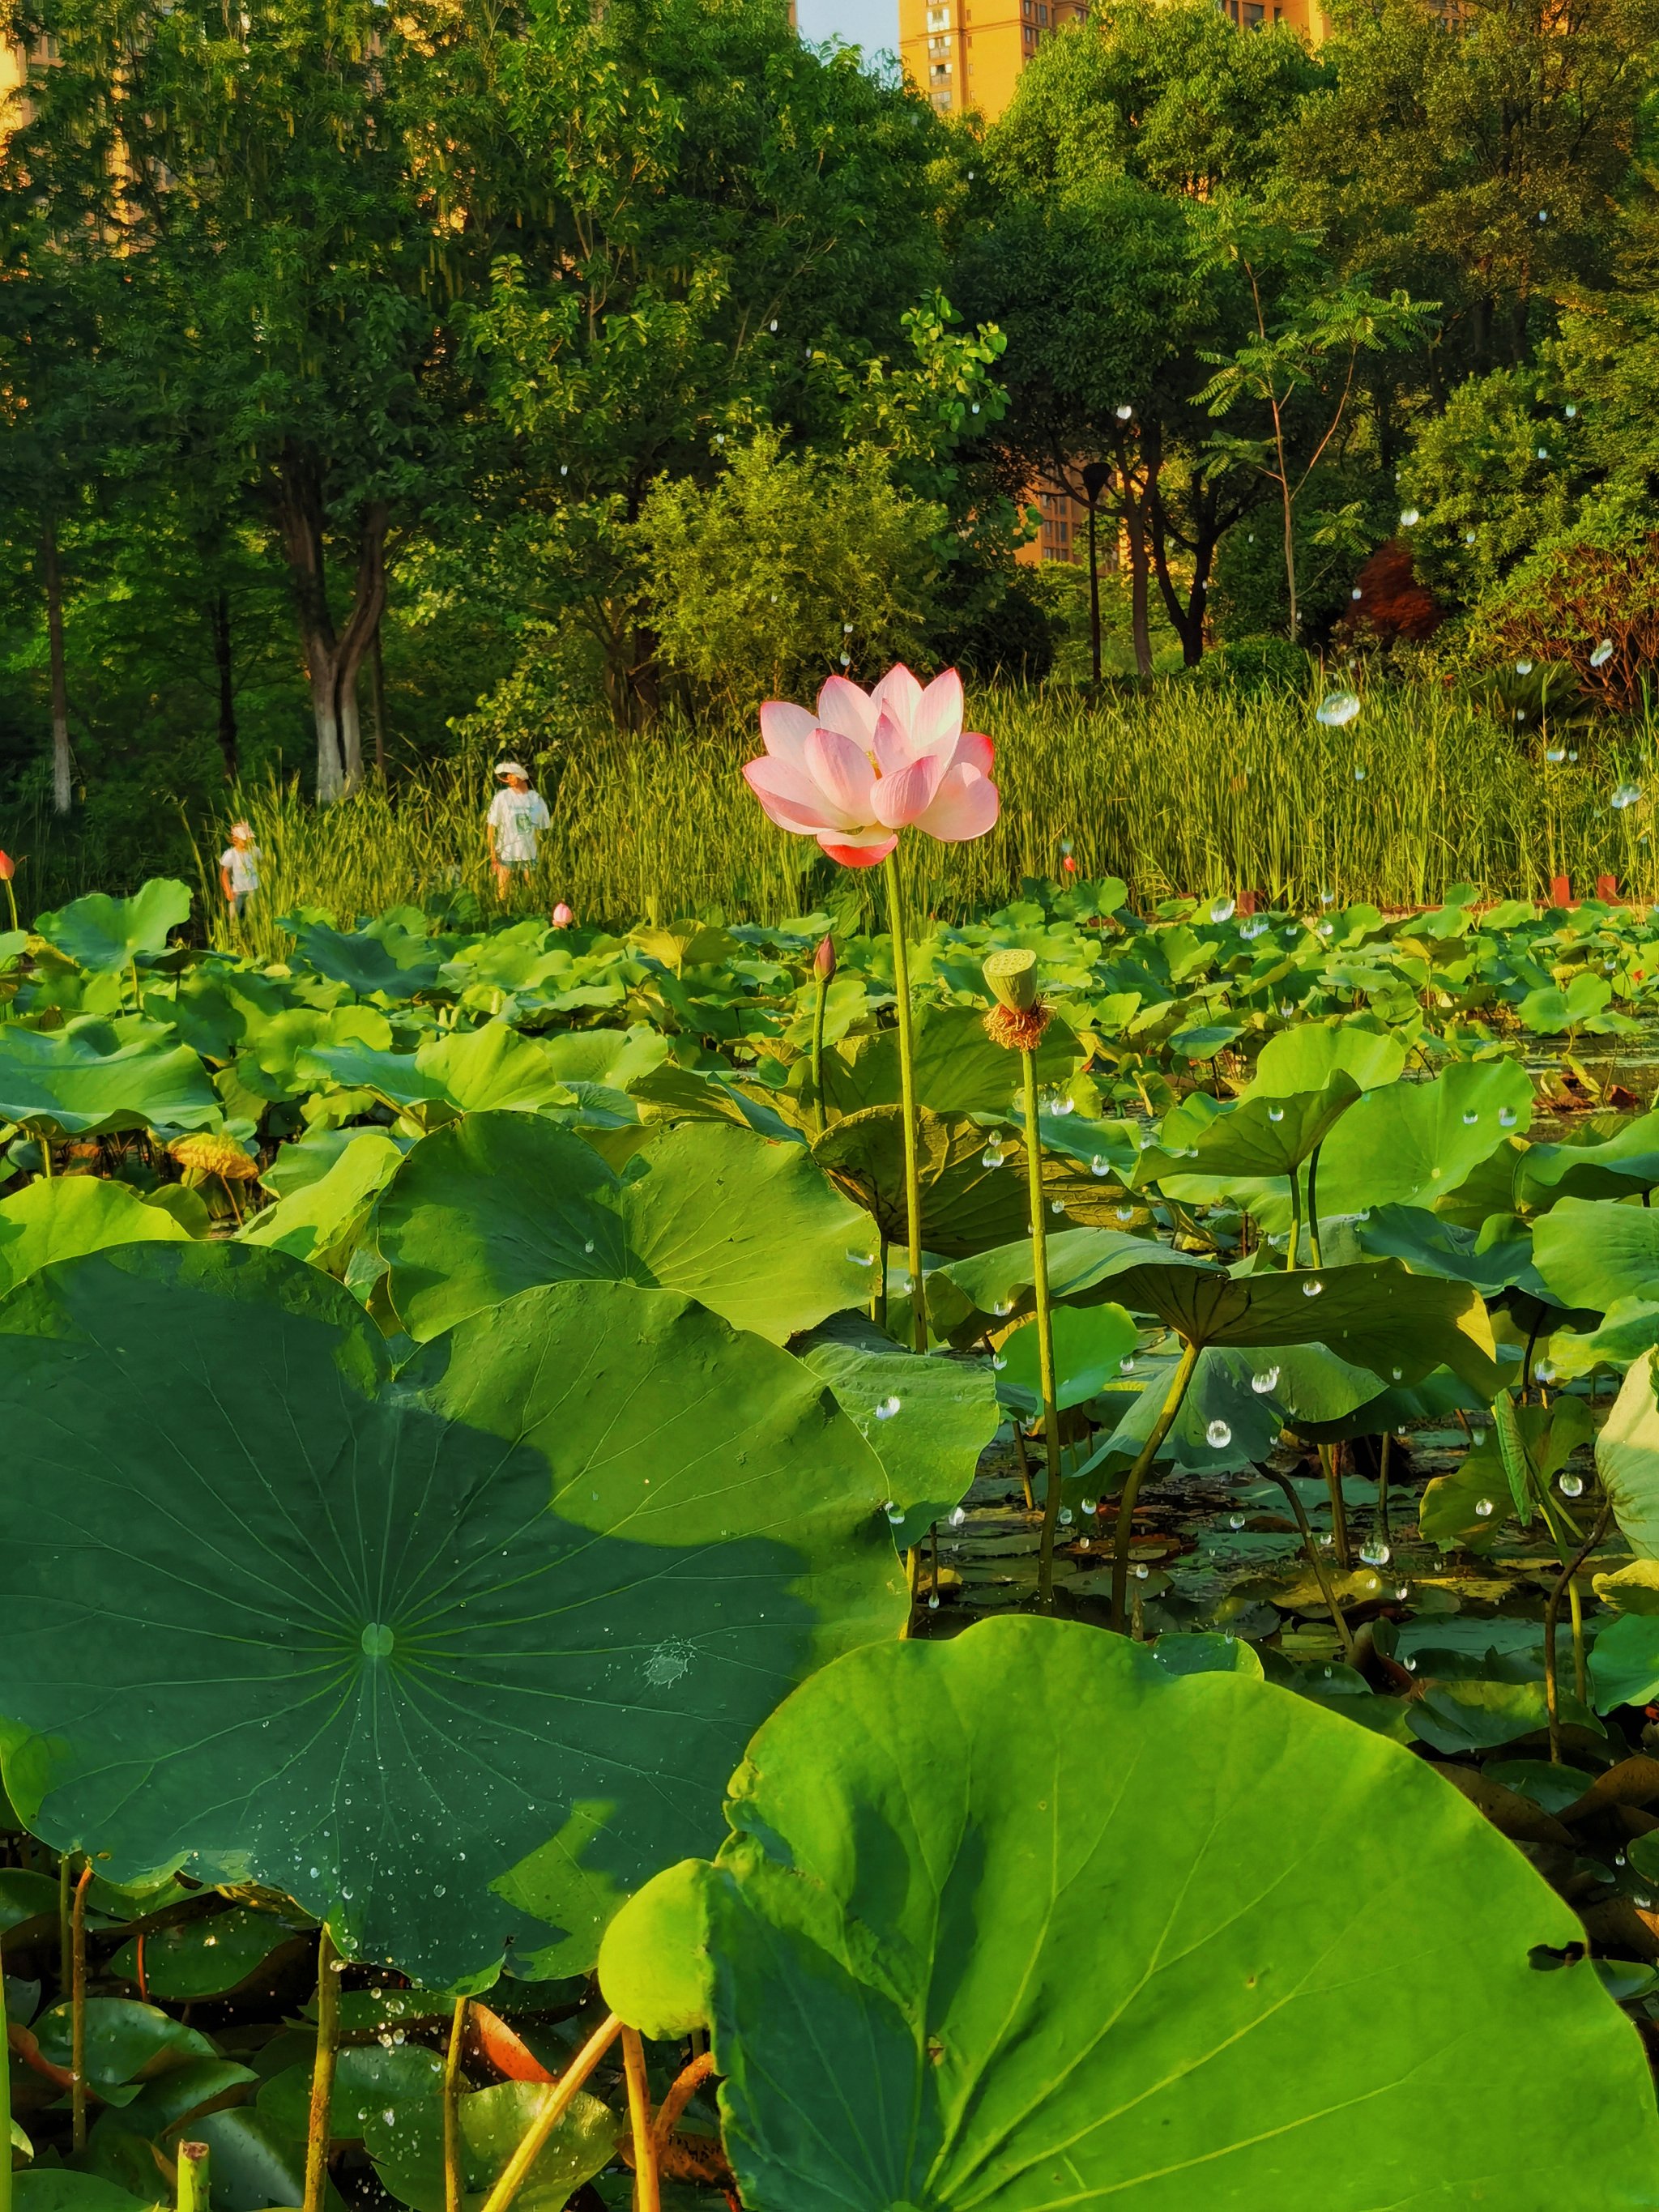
x=1235 y=1519
x=1124 y=1212
x=1267 y=1381
x=1064 y=1517
x=1100 y=1165
x=1126 y=1367
x=991 y=1157
x=1222 y=910
x=1397 y=1373
x=894 y=1513
x=933 y=1600
x=1571 y=1485
x=1337 y=709
x=1312 y=1287
x=1218 y=1435
x=1477 y=1437
x=1056 y=1205
x=1089 y=1506
x=1141 y=1573
x=1470 y=1119
x=1410 y=517
x=588 y=1246
x=1556 y=753
x=388 y=2116
x=998 y=1361
x=1003 y=1306
x=1626 y=795
x=888 y=1407
x=1123 y=414
x=1375 y=1553
x=862 y=1259
x=1485 y=1508
x=1506 y=1118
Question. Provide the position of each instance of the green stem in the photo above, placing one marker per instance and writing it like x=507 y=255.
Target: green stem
x=1382 y=1488
x=11 y=902
x=78 y=2013
x=322 y=2071
x=819 y=1013
x=1551 y=1615
x=1327 y=1590
x=1132 y=1481
x=1330 y=1464
x=1045 y=1329
x=5 y=2116
x=1291 y=1257
x=897 y=924
x=1313 y=1207
x=452 y=2181
x=193 y=2182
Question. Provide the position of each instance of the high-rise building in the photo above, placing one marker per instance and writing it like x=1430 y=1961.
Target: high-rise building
x=969 y=53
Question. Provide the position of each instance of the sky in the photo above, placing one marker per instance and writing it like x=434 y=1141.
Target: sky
x=871 y=24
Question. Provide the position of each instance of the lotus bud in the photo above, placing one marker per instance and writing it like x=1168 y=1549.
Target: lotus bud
x=824 y=960
x=7 y=870
x=1018 y=1018
x=562 y=916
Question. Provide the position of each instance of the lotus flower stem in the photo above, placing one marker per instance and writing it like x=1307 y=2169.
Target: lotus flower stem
x=1566 y=1586
x=452 y=2180
x=322 y=2070
x=896 y=924
x=648 y=2192
x=560 y=2099
x=1136 y=1476
x=193 y=2177
x=1344 y=1634
x=1045 y=1329
x=77 y=2015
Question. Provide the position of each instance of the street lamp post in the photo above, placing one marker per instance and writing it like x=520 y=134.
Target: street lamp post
x=1096 y=478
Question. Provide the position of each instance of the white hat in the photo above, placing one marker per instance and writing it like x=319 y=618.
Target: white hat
x=241 y=830
x=512 y=767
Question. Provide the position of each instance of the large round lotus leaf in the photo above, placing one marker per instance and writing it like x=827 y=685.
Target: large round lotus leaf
x=973 y=1195
x=1623 y=1165
x=1023 y=1920
x=1502 y=1260
x=374 y=1642
x=67 y=1215
x=1262 y=1135
x=101 y=934
x=384 y=956
x=1593 y=1254
x=968 y=1296
x=323 y=1221
x=1306 y=1056
x=468 y=1072
x=494 y=1203
x=1627 y=1457
x=959 y=1069
x=82 y=1080
x=1413 y=1143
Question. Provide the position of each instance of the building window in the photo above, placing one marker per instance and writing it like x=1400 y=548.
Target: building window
x=941 y=69
x=941 y=99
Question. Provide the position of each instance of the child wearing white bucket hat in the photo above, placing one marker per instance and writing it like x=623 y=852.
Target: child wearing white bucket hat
x=239 y=869
x=517 y=816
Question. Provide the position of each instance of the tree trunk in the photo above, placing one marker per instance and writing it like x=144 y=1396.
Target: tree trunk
x=332 y=658
x=220 y=617
x=377 y=702
x=1188 y=616
x=63 y=793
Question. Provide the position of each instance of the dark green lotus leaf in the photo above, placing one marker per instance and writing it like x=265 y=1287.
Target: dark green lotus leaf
x=615 y=1058
x=82 y=1080
x=55 y=2189
x=373 y=1642
x=185 y=1961
x=926 y=1417
x=1451 y=1512
x=973 y=1195
x=407 y=2147
x=274 y=1059
x=1263 y=1136
x=493 y=1204
x=102 y=933
x=1399 y=1325
x=1497 y=1257
x=992 y=1288
x=1259 y=1958
x=1620 y=1166
x=383 y=957
x=67 y=1215
x=126 y=2041
x=1624 y=1662
x=1592 y=1254
x=1091 y=1342
x=464 y=1071
x=1223 y=1424
x=323 y=1221
x=1410 y=1143
x=959 y=1070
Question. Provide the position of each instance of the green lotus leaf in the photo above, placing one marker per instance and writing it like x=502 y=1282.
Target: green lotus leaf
x=126 y=2041
x=1399 y=1325
x=1629 y=1327
x=1265 y=1134
x=1497 y=1257
x=1220 y=1391
x=1244 y=1967
x=1634 y=1588
x=1627 y=1457
x=323 y=1221
x=383 y=957
x=1409 y=1144
x=1308 y=1056
x=1471 y=1715
x=372 y=1642
x=366 y=2074
x=62 y=1218
x=959 y=1068
x=1618 y=1167
x=992 y=1288
x=1593 y=1254
x=408 y=2149
x=82 y=1080
x=187 y=1960
x=274 y=1060
x=1450 y=1514
x=1624 y=1662
x=468 y=1072
x=55 y=2189
x=493 y=1204
x=615 y=1057
x=1090 y=1343
x=927 y=1418
x=102 y=933
x=171 y=2097
x=968 y=1202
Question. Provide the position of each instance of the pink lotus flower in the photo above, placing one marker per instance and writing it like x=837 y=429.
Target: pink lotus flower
x=871 y=763
x=562 y=917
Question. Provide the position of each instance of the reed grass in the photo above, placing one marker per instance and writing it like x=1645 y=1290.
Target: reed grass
x=1176 y=790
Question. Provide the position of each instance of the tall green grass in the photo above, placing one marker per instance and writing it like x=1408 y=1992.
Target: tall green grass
x=1176 y=790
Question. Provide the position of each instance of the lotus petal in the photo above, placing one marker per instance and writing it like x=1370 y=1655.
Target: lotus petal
x=785 y=728
x=965 y=805
x=847 y=707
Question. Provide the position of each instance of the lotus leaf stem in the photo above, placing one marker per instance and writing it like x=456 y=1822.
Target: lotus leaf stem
x=1327 y=1590
x=1383 y=1486
x=559 y=2101
x=77 y=2013
x=1045 y=1329
x=1294 y=1248
x=65 y=1948
x=1132 y=1481
x=322 y=2070
x=1313 y=1207
x=685 y=2086
x=1024 y=1464
x=193 y=2177
x=896 y=923
x=453 y=2188
x=647 y=2191
x=820 y=1011
x=1563 y=1587
x=1330 y=1462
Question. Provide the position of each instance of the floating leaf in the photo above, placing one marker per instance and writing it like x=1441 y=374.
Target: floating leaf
x=103 y=934
x=63 y=1218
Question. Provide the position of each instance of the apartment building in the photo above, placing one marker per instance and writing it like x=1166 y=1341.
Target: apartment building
x=969 y=53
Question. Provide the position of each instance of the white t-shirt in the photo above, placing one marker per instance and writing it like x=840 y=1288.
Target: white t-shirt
x=241 y=864
x=516 y=816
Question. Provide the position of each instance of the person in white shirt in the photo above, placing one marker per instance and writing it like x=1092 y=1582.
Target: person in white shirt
x=517 y=815
x=239 y=869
